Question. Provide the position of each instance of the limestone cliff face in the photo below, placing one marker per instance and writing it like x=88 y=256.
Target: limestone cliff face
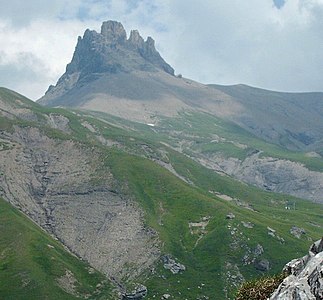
x=305 y=280
x=108 y=51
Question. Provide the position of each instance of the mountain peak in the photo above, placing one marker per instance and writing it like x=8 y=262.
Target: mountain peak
x=108 y=52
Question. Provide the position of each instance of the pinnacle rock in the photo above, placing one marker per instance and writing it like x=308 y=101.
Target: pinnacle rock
x=135 y=39
x=113 y=31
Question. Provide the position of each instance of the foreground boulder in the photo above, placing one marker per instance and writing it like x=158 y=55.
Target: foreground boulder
x=305 y=280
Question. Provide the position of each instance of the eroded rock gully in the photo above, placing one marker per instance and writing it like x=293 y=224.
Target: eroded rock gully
x=62 y=187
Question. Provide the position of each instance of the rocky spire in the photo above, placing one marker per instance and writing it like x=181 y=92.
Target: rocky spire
x=135 y=39
x=149 y=52
x=113 y=31
x=150 y=43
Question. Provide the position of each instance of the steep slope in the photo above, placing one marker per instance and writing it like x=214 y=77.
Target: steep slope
x=230 y=150
x=227 y=149
x=34 y=266
x=140 y=211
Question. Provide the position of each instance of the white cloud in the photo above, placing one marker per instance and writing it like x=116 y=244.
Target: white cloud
x=226 y=42
x=43 y=47
x=251 y=42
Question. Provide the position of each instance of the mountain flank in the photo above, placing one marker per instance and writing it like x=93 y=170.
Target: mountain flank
x=127 y=77
x=290 y=119
x=118 y=197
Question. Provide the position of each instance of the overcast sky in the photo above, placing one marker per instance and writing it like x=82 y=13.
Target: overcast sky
x=274 y=44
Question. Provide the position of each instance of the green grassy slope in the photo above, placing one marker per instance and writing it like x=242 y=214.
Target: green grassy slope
x=33 y=265
x=205 y=126
x=210 y=134
x=170 y=205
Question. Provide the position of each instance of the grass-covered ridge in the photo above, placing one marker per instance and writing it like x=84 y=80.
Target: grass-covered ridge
x=209 y=134
x=232 y=137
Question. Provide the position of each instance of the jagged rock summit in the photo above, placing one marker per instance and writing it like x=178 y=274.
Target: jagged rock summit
x=106 y=53
x=110 y=51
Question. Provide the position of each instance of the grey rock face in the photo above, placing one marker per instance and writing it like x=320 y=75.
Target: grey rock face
x=258 y=250
x=262 y=265
x=271 y=174
x=230 y=216
x=107 y=52
x=148 y=51
x=305 y=280
x=251 y=257
x=297 y=232
x=139 y=293
x=113 y=32
x=136 y=40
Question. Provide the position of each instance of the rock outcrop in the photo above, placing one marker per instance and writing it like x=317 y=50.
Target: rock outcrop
x=172 y=265
x=139 y=293
x=305 y=280
x=268 y=173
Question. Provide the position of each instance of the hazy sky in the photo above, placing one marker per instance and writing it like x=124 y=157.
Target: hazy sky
x=273 y=44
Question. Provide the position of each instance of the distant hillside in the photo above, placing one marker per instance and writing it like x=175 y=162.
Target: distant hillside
x=293 y=120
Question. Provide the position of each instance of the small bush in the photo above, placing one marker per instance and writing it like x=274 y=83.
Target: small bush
x=260 y=289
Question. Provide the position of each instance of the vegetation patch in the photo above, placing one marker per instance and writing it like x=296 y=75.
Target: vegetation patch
x=260 y=289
